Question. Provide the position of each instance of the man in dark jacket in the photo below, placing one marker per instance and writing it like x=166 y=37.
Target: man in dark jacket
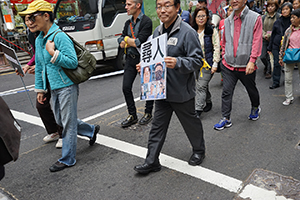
x=183 y=60
x=136 y=31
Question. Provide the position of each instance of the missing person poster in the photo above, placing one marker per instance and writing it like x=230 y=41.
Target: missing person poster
x=153 y=69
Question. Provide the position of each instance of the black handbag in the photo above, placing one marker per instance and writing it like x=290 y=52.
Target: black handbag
x=86 y=63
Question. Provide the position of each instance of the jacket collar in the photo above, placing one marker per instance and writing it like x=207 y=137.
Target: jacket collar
x=52 y=29
x=272 y=17
x=138 y=18
x=175 y=27
x=242 y=14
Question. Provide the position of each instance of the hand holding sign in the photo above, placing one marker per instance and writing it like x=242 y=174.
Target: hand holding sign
x=170 y=62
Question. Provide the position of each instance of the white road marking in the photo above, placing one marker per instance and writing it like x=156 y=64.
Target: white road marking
x=215 y=178
x=107 y=75
x=107 y=111
x=27 y=118
x=31 y=87
x=17 y=90
x=257 y=193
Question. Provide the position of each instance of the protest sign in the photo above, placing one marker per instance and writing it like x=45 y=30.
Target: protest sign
x=153 y=68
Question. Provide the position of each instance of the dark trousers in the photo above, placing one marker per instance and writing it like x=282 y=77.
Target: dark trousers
x=230 y=79
x=130 y=73
x=47 y=115
x=265 y=58
x=277 y=68
x=162 y=116
x=2 y=172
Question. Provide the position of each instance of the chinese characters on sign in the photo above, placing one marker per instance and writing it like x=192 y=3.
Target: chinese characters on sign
x=153 y=69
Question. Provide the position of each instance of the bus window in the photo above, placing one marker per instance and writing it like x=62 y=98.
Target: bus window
x=110 y=9
x=75 y=15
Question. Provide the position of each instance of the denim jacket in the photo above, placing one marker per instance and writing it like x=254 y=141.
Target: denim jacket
x=45 y=70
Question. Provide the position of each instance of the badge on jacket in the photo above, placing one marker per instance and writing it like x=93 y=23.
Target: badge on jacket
x=172 y=41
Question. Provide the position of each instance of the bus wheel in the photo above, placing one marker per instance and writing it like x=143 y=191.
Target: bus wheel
x=119 y=62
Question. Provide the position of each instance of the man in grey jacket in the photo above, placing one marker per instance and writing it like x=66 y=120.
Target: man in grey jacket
x=183 y=60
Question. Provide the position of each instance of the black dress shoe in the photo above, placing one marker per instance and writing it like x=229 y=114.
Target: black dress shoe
x=207 y=107
x=274 y=86
x=93 y=139
x=196 y=159
x=145 y=119
x=130 y=120
x=58 y=166
x=146 y=168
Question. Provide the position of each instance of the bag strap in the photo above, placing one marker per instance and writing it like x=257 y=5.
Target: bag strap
x=55 y=35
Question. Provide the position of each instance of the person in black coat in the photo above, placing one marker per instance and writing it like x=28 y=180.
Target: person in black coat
x=10 y=137
x=279 y=27
x=136 y=31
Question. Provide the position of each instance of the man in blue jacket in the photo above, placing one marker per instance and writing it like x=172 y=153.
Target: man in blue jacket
x=183 y=60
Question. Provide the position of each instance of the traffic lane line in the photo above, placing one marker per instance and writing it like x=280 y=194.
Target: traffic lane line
x=17 y=90
x=204 y=174
x=215 y=178
x=31 y=87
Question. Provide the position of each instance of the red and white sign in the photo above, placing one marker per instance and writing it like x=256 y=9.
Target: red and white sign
x=29 y=1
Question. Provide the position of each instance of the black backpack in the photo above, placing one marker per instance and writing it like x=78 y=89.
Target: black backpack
x=86 y=63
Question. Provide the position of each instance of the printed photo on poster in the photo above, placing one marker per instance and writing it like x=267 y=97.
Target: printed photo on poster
x=153 y=69
x=153 y=82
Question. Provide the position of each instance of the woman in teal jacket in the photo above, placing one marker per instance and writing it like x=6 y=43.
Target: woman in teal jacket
x=50 y=58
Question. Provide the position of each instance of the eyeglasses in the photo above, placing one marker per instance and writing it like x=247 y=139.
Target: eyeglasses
x=201 y=16
x=32 y=17
x=166 y=7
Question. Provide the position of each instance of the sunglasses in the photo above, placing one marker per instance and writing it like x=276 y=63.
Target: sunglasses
x=32 y=17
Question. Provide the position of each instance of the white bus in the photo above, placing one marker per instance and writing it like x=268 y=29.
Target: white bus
x=95 y=24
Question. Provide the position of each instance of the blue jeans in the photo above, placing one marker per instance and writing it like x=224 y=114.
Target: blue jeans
x=64 y=102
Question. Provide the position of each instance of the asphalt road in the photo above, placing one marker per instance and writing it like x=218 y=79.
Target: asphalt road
x=105 y=170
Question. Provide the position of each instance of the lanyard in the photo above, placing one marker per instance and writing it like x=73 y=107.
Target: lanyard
x=131 y=29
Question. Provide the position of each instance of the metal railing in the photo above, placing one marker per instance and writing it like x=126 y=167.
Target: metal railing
x=19 y=42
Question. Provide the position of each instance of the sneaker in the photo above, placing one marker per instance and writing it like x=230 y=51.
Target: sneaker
x=288 y=102
x=59 y=143
x=223 y=123
x=51 y=137
x=254 y=115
